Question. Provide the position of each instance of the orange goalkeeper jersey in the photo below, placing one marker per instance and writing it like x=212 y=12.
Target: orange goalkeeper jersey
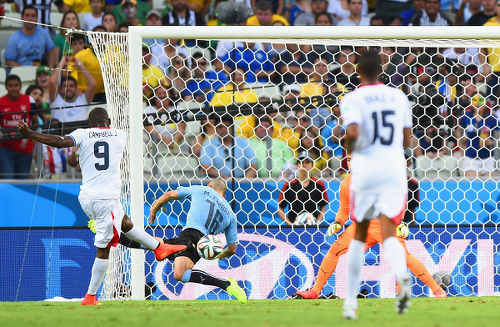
x=344 y=198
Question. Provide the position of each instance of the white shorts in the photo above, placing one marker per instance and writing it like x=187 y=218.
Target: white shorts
x=108 y=215
x=478 y=165
x=391 y=202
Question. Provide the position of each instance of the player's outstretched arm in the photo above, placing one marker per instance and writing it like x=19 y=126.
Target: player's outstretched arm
x=229 y=251
x=49 y=139
x=167 y=196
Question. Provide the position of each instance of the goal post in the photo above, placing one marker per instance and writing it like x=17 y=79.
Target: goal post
x=129 y=81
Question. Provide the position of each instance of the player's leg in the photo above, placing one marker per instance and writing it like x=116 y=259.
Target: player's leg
x=329 y=263
x=355 y=259
x=420 y=271
x=395 y=251
x=99 y=269
x=138 y=235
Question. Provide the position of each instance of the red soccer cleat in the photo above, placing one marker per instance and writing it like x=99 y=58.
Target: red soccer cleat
x=90 y=299
x=164 y=250
x=309 y=294
x=440 y=294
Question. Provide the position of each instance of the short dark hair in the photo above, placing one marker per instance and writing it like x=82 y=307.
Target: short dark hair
x=68 y=78
x=12 y=77
x=33 y=87
x=264 y=5
x=266 y=119
x=197 y=55
x=225 y=118
x=29 y=7
x=77 y=37
x=377 y=17
x=98 y=117
x=369 y=63
x=98 y=27
x=324 y=13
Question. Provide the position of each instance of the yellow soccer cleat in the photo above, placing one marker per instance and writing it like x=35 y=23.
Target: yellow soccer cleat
x=333 y=229
x=402 y=230
x=235 y=290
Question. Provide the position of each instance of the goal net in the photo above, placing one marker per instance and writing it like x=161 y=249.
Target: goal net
x=246 y=104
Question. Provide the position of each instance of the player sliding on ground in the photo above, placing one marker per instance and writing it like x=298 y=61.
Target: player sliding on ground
x=377 y=121
x=101 y=151
x=340 y=246
x=209 y=213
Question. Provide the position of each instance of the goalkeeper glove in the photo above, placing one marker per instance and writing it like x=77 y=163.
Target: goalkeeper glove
x=402 y=230
x=333 y=229
x=91 y=225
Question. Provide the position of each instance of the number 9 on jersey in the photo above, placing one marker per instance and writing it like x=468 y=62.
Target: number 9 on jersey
x=209 y=247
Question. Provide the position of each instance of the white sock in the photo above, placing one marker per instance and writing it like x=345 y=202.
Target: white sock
x=98 y=272
x=355 y=259
x=139 y=235
x=395 y=251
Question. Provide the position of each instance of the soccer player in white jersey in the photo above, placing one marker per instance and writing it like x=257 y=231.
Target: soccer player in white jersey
x=377 y=121
x=101 y=150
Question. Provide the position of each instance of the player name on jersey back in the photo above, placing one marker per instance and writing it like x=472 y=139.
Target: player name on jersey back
x=100 y=154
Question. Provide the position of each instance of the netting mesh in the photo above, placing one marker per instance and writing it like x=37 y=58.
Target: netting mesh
x=248 y=111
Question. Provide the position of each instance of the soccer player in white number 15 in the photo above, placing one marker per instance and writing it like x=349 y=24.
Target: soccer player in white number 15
x=101 y=150
x=377 y=121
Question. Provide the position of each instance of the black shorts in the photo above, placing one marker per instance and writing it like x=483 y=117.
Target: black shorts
x=190 y=238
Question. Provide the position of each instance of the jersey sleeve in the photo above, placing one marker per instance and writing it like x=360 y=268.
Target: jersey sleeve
x=408 y=123
x=344 y=208
x=184 y=192
x=78 y=136
x=350 y=113
x=231 y=231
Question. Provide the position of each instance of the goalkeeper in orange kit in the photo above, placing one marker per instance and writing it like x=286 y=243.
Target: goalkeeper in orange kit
x=374 y=236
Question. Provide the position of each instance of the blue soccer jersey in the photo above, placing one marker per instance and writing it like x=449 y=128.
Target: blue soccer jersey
x=209 y=212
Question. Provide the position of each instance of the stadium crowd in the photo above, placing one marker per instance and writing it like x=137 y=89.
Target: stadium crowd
x=453 y=90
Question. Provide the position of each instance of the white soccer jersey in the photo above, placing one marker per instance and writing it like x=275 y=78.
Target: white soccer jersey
x=381 y=113
x=101 y=152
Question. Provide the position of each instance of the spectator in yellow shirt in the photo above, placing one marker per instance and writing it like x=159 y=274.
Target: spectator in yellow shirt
x=87 y=57
x=492 y=63
x=264 y=15
x=152 y=76
x=236 y=91
x=79 y=6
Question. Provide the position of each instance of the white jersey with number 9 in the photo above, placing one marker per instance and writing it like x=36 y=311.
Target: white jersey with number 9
x=101 y=151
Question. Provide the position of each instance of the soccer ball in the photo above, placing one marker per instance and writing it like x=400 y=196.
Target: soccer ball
x=305 y=218
x=209 y=246
x=443 y=279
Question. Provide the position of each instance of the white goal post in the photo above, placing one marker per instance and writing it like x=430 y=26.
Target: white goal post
x=478 y=37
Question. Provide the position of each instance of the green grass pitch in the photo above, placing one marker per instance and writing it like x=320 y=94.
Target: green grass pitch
x=428 y=312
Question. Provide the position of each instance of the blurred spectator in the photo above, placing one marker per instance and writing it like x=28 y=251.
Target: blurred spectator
x=298 y=8
x=61 y=40
x=433 y=144
x=377 y=21
x=164 y=52
x=123 y=28
x=109 y=22
x=101 y=29
x=463 y=56
x=56 y=160
x=310 y=142
x=303 y=194
x=340 y=9
x=79 y=6
x=391 y=8
x=152 y=76
x=491 y=68
x=430 y=16
x=488 y=12
x=93 y=18
x=345 y=73
x=131 y=11
x=307 y=18
x=396 y=21
x=331 y=135
x=324 y=19
x=277 y=6
x=297 y=124
x=181 y=15
x=326 y=51
x=204 y=82
x=87 y=57
x=272 y=155
x=199 y=6
x=235 y=91
x=466 y=10
x=44 y=9
x=179 y=73
x=294 y=64
x=252 y=59
x=69 y=103
x=479 y=127
x=42 y=80
x=30 y=45
x=15 y=155
x=227 y=156
x=36 y=92
x=264 y=15
x=407 y=15
x=355 y=17
x=390 y=61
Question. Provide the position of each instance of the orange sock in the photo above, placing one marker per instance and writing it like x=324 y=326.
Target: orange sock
x=419 y=270
x=329 y=264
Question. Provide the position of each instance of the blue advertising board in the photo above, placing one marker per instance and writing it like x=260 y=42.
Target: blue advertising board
x=271 y=262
